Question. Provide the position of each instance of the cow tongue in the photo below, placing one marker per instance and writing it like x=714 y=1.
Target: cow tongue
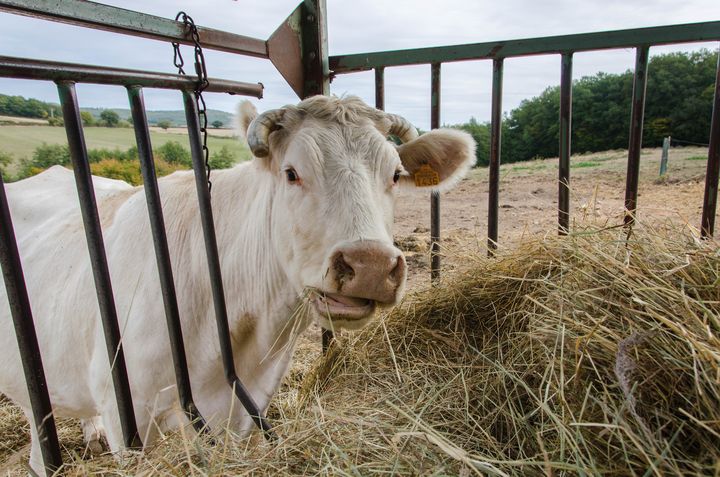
x=348 y=300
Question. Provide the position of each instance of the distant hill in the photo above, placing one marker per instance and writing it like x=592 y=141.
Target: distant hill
x=177 y=117
x=18 y=106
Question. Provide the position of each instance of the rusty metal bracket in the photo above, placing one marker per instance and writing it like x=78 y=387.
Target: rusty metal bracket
x=285 y=50
x=298 y=49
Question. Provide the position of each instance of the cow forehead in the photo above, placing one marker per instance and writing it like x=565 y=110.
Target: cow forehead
x=325 y=146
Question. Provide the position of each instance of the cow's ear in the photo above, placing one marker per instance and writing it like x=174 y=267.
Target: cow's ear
x=246 y=112
x=438 y=159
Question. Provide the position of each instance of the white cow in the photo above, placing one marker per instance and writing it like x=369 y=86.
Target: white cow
x=306 y=225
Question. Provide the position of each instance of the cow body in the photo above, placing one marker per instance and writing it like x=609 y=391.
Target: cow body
x=304 y=232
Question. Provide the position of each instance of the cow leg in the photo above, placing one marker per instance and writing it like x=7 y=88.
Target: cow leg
x=36 y=460
x=113 y=432
x=93 y=433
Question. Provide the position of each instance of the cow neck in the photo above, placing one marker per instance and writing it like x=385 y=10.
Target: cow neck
x=256 y=286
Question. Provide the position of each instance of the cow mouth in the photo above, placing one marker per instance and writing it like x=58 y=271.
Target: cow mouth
x=338 y=307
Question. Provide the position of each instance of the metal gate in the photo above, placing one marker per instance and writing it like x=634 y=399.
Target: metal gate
x=298 y=49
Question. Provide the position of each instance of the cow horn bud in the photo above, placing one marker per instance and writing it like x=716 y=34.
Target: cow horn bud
x=259 y=130
x=402 y=128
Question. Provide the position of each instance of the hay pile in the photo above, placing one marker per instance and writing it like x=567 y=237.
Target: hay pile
x=595 y=354
x=591 y=354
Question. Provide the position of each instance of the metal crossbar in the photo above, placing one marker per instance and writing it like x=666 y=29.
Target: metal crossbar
x=662 y=35
x=119 y=20
x=22 y=68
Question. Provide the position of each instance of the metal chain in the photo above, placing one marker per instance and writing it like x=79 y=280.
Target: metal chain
x=201 y=85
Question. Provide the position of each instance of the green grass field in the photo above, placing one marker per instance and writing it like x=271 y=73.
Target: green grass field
x=21 y=141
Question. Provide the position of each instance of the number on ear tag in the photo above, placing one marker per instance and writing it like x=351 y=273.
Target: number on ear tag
x=426 y=176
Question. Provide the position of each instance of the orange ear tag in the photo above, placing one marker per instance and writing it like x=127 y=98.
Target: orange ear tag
x=426 y=176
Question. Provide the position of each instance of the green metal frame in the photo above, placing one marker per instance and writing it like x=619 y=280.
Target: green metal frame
x=129 y=22
x=663 y=35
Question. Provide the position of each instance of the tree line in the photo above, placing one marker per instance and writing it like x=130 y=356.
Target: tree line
x=22 y=107
x=678 y=103
x=26 y=108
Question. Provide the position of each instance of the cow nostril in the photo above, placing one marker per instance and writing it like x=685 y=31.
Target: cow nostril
x=397 y=272
x=343 y=271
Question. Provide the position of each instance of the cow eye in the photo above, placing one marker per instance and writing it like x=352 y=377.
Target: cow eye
x=396 y=177
x=291 y=175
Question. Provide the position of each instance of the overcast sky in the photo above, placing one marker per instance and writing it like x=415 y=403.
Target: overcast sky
x=357 y=26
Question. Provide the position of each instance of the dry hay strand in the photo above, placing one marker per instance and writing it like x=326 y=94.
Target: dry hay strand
x=592 y=354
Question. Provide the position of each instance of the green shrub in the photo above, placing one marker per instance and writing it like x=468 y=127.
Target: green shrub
x=114 y=163
x=129 y=171
x=110 y=118
x=5 y=160
x=123 y=170
x=87 y=118
x=132 y=154
x=223 y=158
x=43 y=157
x=174 y=153
x=49 y=155
x=97 y=155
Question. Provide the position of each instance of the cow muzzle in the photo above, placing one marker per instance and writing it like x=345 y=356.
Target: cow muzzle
x=359 y=276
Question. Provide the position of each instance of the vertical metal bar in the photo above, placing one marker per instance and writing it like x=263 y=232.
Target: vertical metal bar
x=213 y=258
x=316 y=67
x=27 y=340
x=712 y=175
x=380 y=88
x=636 y=129
x=101 y=273
x=435 y=196
x=565 y=135
x=495 y=154
x=162 y=255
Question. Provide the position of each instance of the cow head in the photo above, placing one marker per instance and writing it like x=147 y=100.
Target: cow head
x=335 y=176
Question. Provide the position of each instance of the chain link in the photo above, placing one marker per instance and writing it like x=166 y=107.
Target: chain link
x=202 y=83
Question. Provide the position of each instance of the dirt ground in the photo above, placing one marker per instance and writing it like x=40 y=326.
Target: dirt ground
x=528 y=206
